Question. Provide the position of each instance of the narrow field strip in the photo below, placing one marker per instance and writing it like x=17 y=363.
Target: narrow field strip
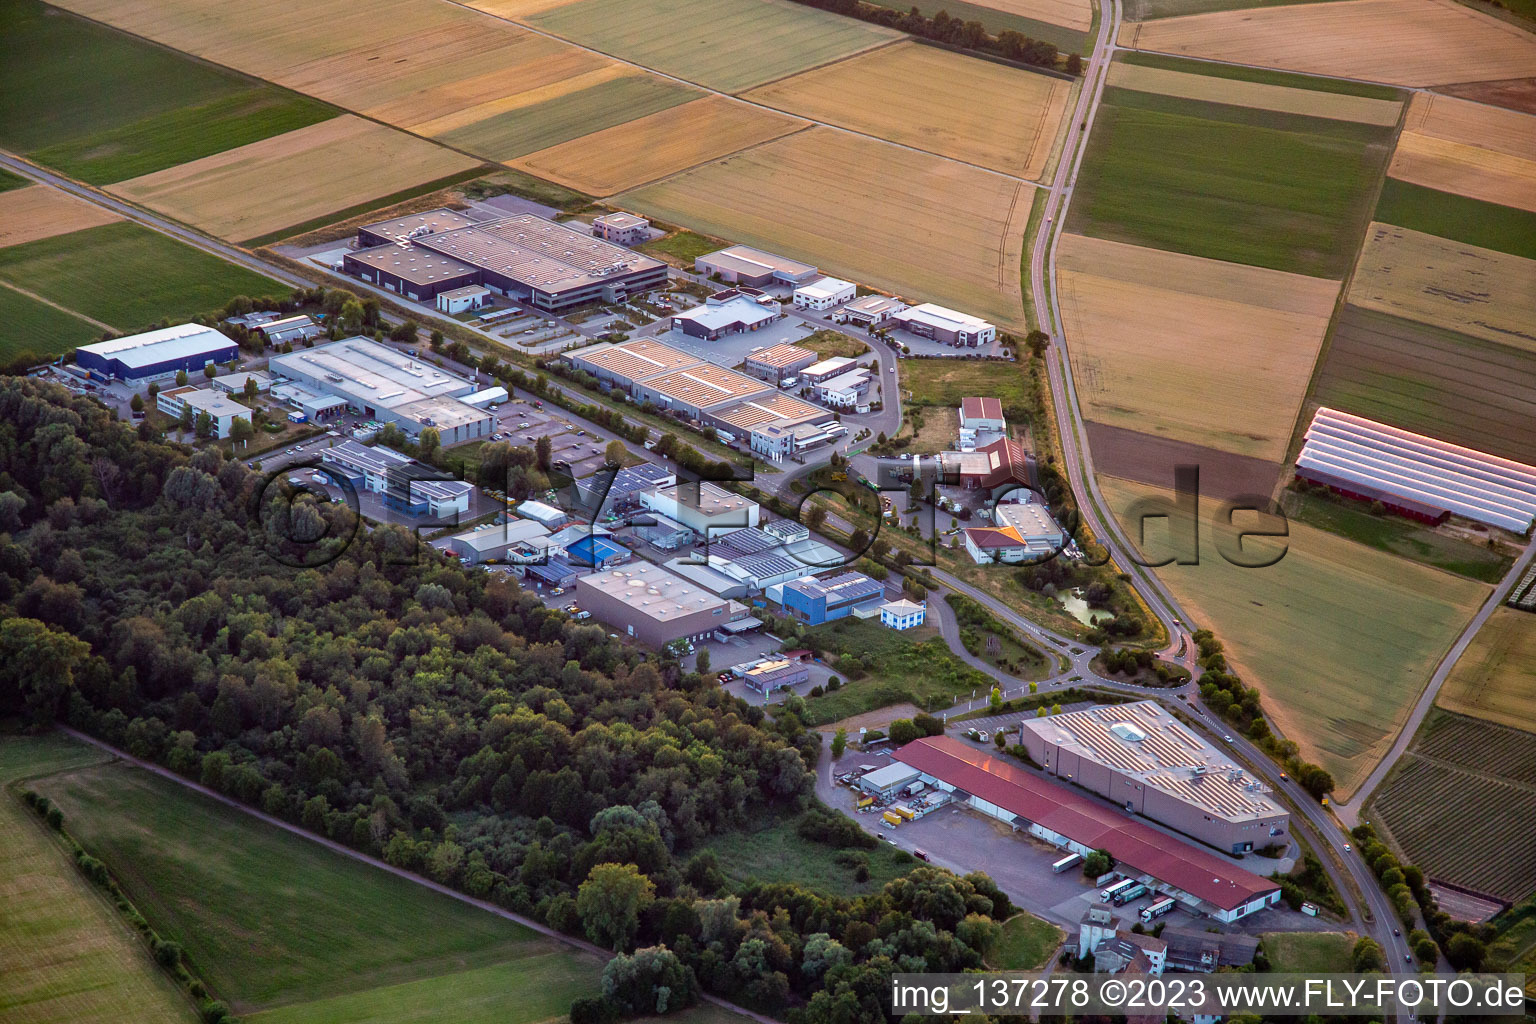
x=1259 y=95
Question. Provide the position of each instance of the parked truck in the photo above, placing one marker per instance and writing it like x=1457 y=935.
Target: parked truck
x=1125 y=896
x=892 y=818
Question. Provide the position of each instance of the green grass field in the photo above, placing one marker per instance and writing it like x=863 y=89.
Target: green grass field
x=914 y=667
x=1067 y=40
x=128 y=276
x=728 y=45
x=943 y=382
x=1460 y=218
x=541 y=125
x=9 y=181
x=1232 y=183
x=1025 y=944
x=104 y=106
x=1398 y=536
x=1309 y=952
x=1340 y=638
x=66 y=955
x=1147 y=10
x=774 y=852
x=27 y=325
x=682 y=245
x=272 y=919
x=1264 y=76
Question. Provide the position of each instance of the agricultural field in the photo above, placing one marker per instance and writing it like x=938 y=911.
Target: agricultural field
x=102 y=106
x=944 y=382
x=1339 y=638
x=66 y=954
x=650 y=148
x=1194 y=84
x=1149 y=10
x=39 y=211
x=37 y=328
x=1460 y=287
x=1187 y=348
x=1309 y=952
x=1283 y=191
x=826 y=197
x=1354 y=520
x=1496 y=678
x=127 y=276
x=728 y=45
x=1150 y=459
x=1510 y=93
x=972 y=110
x=580 y=107
x=9 y=181
x=1403 y=42
x=1460 y=803
x=1432 y=381
x=1064 y=24
x=291 y=179
x=1468 y=149
x=1463 y=219
x=325 y=938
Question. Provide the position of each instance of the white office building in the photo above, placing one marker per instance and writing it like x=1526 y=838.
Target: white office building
x=824 y=293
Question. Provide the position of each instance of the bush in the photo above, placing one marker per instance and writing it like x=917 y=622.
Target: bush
x=593 y=1010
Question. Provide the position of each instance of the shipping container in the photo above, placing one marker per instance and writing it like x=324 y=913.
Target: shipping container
x=892 y=817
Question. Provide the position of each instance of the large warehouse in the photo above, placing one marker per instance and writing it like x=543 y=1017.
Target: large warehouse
x=1141 y=757
x=705 y=508
x=742 y=264
x=1067 y=819
x=653 y=605
x=946 y=325
x=524 y=257
x=727 y=312
x=387 y=385
x=404 y=484
x=1417 y=476
x=187 y=347
x=627 y=363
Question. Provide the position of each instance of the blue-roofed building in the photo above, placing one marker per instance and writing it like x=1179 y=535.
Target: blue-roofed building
x=816 y=601
x=187 y=347
x=597 y=551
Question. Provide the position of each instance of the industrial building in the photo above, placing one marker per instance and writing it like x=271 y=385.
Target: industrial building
x=1066 y=818
x=742 y=264
x=622 y=228
x=290 y=330
x=662 y=532
x=548 y=516
x=869 y=311
x=728 y=312
x=705 y=508
x=846 y=390
x=381 y=383
x=903 y=614
x=1414 y=475
x=999 y=464
x=186 y=347
x=1142 y=758
x=462 y=299
x=945 y=325
x=487 y=397
x=982 y=416
x=653 y=605
x=767 y=676
x=781 y=439
x=815 y=601
x=221 y=410
x=526 y=258
x=777 y=408
x=779 y=362
x=405 y=484
x=701 y=387
x=1024 y=531
x=234 y=383
x=826 y=370
x=628 y=363
x=824 y=293
x=618 y=489
x=597 y=552
x=889 y=780
x=517 y=540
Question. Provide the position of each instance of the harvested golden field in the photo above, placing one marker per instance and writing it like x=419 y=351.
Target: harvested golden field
x=1076 y=14
x=406 y=62
x=1188 y=348
x=1470 y=149
x=892 y=218
x=1486 y=294
x=1258 y=95
x=37 y=211
x=292 y=178
x=1403 y=42
x=973 y=110
x=516 y=8
x=1340 y=638
x=651 y=148
x=1496 y=678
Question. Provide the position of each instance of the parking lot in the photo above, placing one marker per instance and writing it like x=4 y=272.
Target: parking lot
x=733 y=349
x=521 y=424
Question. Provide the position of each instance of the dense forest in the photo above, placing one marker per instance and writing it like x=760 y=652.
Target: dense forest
x=441 y=718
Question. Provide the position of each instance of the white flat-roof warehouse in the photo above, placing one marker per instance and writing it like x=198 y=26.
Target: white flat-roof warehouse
x=384 y=384
x=654 y=605
x=1419 y=476
x=186 y=347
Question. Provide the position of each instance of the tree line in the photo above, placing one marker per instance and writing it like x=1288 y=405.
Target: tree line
x=944 y=28
x=441 y=718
